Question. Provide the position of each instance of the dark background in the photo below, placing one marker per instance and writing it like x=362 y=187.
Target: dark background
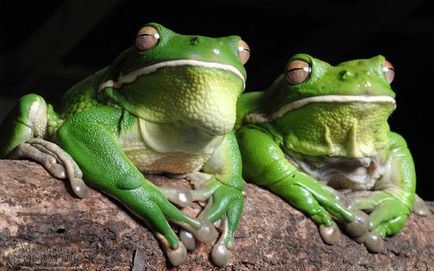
x=46 y=46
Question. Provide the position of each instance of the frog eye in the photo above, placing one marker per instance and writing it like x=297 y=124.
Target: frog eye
x=147 y=38
x=297 y=71
x=243 y=51
x=389 y=71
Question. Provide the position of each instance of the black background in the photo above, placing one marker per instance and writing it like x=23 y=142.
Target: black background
x=46 y=46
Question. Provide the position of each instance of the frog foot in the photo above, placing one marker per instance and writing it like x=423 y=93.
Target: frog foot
x=387 y=214
x=223 y=208
x=205 y=235
x=59 y=163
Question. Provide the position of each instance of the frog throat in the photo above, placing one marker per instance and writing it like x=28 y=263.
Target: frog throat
x=132 y=76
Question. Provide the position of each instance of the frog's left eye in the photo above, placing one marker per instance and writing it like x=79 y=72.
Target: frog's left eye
x=243 y=51
x=147 y=38
x=297 y=71
x=389 y=71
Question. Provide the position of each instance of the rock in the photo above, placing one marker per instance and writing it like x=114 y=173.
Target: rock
x=44 y=226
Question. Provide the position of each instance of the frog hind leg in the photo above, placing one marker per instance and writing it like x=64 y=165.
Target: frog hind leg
x=24 y=129
x=28 y=119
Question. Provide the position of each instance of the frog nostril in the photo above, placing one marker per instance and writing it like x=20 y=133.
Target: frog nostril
x=345 y=75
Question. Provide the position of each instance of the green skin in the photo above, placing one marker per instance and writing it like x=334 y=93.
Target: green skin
x=176 y=119
x=292 y=150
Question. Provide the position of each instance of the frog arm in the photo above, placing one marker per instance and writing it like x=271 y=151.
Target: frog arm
x=90 y=138
x=221 y=180
x=264 y=163
x=247 y=103
x=392 y=201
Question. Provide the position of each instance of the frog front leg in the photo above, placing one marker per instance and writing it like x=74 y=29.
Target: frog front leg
x=90 y=138
x=265 y=164
x=392 y=201
x=222 y=184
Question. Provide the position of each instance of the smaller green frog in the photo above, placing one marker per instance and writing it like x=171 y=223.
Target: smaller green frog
x=319 y=128
x=165 y=105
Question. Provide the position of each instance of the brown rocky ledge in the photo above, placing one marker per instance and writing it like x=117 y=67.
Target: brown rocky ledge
x=44 y=227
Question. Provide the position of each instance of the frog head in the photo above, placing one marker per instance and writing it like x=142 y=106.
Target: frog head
x=325 y=110
x=171 y=78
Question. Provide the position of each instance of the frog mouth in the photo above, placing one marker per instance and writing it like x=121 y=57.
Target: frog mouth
x=132 y=76
x=260 y=117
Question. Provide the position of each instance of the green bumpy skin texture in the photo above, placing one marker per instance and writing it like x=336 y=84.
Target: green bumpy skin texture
x=302 y=140
x=165 y=109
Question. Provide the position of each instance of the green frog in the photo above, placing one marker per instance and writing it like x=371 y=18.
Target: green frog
x=165 y=105
x=321 y=128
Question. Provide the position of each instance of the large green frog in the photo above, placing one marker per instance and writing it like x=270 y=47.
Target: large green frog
x=319 y=128
x=165 y=105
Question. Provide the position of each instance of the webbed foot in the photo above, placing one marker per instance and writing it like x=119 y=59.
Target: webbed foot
x=224 y=204
x=387 y=214
x=58 y=162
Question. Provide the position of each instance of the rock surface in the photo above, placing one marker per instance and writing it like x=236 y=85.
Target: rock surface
x=43 y=226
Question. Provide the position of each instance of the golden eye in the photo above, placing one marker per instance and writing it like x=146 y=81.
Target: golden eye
x=147 y=38
x=389 y=71
x=243 y=51
x=297 y=71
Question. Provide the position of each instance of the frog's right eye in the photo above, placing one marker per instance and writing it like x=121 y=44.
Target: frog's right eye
x=147 y=38
x=297 y=71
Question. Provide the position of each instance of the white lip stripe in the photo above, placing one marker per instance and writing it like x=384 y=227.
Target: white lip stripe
x=332 y=98
x=132 y=76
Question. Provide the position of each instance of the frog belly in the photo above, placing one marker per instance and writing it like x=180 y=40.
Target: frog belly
x=343 y=173
x=168 y=148
x=150 y=161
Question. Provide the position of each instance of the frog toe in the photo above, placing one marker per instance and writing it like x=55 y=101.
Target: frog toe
x=177 y=256
x=180 y=196
x=187 y=238
x=372 y=241
x=419 y=207
x=359 y=226
x=56 y=170
x=206 y=232
x=79 y=187
x=331 y=234
x=220 y=254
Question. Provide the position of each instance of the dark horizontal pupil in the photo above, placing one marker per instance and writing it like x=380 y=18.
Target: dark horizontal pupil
x=297 y=69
